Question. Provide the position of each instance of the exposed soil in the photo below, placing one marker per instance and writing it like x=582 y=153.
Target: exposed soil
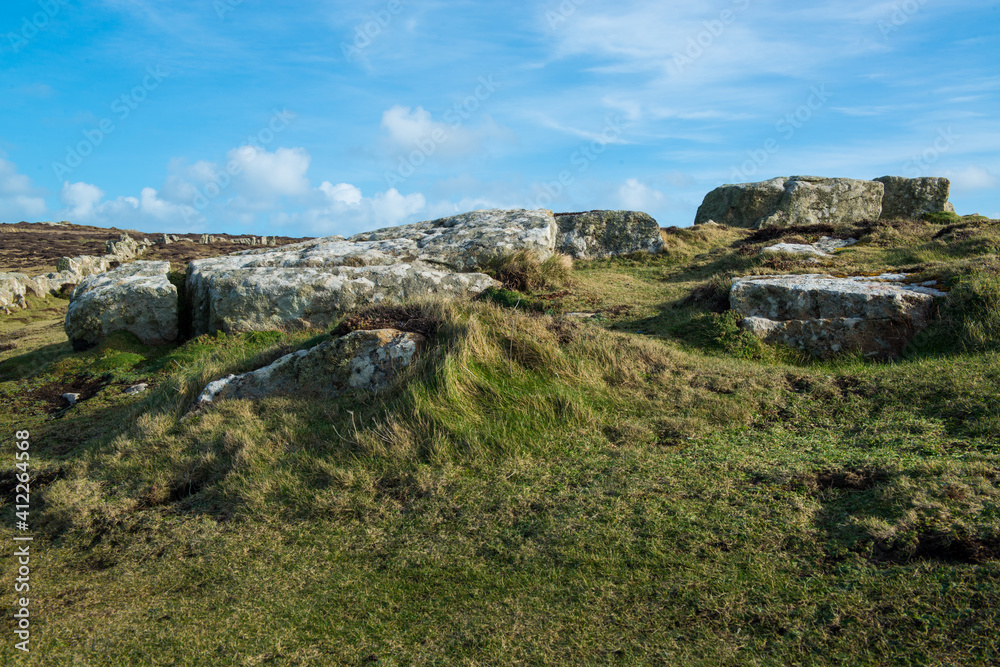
x=52 y=394
x=856 y=479
x=403 y=318
x=948 y=548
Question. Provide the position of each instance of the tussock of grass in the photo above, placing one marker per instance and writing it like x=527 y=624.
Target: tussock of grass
x=523 y=270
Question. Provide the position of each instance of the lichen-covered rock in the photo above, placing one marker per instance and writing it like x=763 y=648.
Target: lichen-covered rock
x=124 y=248
x=135 y=297
x=462 y=242
x=310 y=286
x=798 y=200
x=826 y=315
x=825 y=247
x=12 y=291
x=912 y=197
x=362 y=360
x=84 y=265
x=602 y=234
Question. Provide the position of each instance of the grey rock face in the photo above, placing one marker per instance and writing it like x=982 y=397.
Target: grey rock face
x=363 y=360
x=825 y=247
x=912 y=197
x=124 y=249
x=462 y=242
x=796 y=249
x=12 y=290
x=826 y=315
x=135 y=297
x=798 y=200
x=602 y=234
x=309 y=284
x=258 y=298
x=84 y=265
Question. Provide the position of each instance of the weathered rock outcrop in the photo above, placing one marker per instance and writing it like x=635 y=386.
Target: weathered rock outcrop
x=826 y=315
x=69 y=271
x=825 y=247
x=135 y=297
x=602 y=234
x=124 y=248
x=462 y=242
x=912 y=197
x=798 y=200
x=309 y=284
x=84 y=265
x=12 y=291
x=307 y=290
x=364 y=360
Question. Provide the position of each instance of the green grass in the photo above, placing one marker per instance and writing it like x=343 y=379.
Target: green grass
x=644 y=487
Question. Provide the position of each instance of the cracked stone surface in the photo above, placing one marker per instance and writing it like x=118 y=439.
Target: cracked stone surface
x=826 y=315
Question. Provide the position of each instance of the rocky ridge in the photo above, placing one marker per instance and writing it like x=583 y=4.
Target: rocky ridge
x=811 y=200
x=14 y=287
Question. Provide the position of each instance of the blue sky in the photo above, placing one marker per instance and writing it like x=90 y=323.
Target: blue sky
x=313 y=118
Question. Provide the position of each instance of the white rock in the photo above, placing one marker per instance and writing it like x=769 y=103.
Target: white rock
x=135 y=297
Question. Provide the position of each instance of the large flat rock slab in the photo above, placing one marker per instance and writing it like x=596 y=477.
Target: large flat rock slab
x=826 y=315
x=261 y=298
x=797 y=200
x=135 y=297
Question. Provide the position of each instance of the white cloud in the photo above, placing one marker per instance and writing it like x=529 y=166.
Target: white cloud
x=268 y=175
x=19 y=198
x=972 y=178
x=80 y=199
x=84 y=204
x=416 y=130
x=637 y=196
x=342 y=192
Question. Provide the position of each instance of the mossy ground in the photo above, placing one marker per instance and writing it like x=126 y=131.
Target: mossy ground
x=648 y=486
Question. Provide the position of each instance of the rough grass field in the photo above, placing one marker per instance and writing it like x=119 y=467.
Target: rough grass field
x=641 y=484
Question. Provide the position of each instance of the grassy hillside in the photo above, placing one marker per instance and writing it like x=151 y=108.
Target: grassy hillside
x=591 y=466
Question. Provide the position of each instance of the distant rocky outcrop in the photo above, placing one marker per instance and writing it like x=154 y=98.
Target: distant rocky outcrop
x=363 y=360
x=797 y=200
x=254 y=240
x=825 y=315
x=135 y=297
x=69 y=271
x=913 y=197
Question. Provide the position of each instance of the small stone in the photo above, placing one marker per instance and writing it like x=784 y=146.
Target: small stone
x=137 y=388
x=71 y=398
